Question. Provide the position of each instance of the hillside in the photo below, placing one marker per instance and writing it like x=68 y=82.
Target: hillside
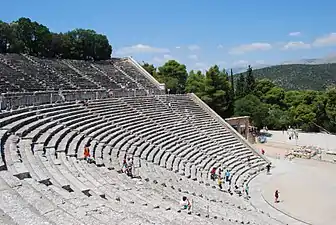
x=299 y=76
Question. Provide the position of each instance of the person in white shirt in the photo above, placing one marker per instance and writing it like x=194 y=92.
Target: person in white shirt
x=185 y=203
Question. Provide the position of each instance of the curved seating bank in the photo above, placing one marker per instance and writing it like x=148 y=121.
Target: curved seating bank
x=174 y=143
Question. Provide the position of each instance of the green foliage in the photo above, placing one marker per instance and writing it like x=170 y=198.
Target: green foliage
x=240 y=86
x=266 y=103
x=26 y=36
x=250 y=81
x=251 y=105
x=195 y=83
x=174 y=75
x=218 y=91
x=150 y=68
x=299 y=76
x=331 y=105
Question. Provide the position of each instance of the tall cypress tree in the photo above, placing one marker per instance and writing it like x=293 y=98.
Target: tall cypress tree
x=241 y=86
x=250 y=80
x=232 y=83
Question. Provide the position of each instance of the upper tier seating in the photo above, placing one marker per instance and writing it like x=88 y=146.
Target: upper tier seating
x=174 y=144
x=28 y=74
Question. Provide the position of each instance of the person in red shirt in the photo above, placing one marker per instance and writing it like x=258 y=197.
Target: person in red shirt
x=213 y=173
x=86 y=152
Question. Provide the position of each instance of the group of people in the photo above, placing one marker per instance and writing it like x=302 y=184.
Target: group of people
x=217 y=174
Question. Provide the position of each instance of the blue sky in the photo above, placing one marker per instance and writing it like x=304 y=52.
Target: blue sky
x=197 y=33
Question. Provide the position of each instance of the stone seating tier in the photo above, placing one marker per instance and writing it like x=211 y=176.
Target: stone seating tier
x=23 y=73
x=173 y=142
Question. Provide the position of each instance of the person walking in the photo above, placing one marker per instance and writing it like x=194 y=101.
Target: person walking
x=276 y=195
x=268 y=167
x=247 y=188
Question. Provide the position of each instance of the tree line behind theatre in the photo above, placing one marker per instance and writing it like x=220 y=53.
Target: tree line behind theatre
x=28 y=37
x=265 y=102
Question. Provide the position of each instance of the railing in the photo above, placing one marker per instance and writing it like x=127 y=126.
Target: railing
x=227 y=125
x=14 y=100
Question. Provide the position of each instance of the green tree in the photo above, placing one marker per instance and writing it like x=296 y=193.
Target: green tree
x=262 y=87
x=250 y=81
x=303 y=117
x=195 y=83
x=150 y=68
x=240 y=86
x=26 y=36
x=331 y=106
x=277 y=118
x=274 y=96
x=174 y=75
x=6 y=36
x=251 y=105
x=218 y=92
x=232 y=83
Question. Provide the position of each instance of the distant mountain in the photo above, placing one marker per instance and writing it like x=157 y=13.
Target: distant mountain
x=325 y=60
x=243 y=69
x=307 y=74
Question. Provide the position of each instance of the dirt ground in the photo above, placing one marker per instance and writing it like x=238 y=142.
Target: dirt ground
x=307 y=186
x=274 y=149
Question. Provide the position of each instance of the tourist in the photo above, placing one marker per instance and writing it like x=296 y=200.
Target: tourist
x=124 y=165
x=262 y=151
x=185 y=203
x=220 y=182
x=276 y=195
x=247 y=190
x=227 y=176
x=268 y=167
x=130 y=167
x=86 y=152
x=213 y=173
x=91 y=160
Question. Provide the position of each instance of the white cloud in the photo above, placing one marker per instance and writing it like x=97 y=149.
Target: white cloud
x=177 y=47
x=327 y=40
x=194 y=47
x=296 y=45
x=193 y=57
x=166 y=56
x=162 y=59
x=260 y=61
x=250 y=47
x=297 y=33
x=200 y=64
x=221 y=63
x=140 y=48
x=240 y=63
x=220 y=46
